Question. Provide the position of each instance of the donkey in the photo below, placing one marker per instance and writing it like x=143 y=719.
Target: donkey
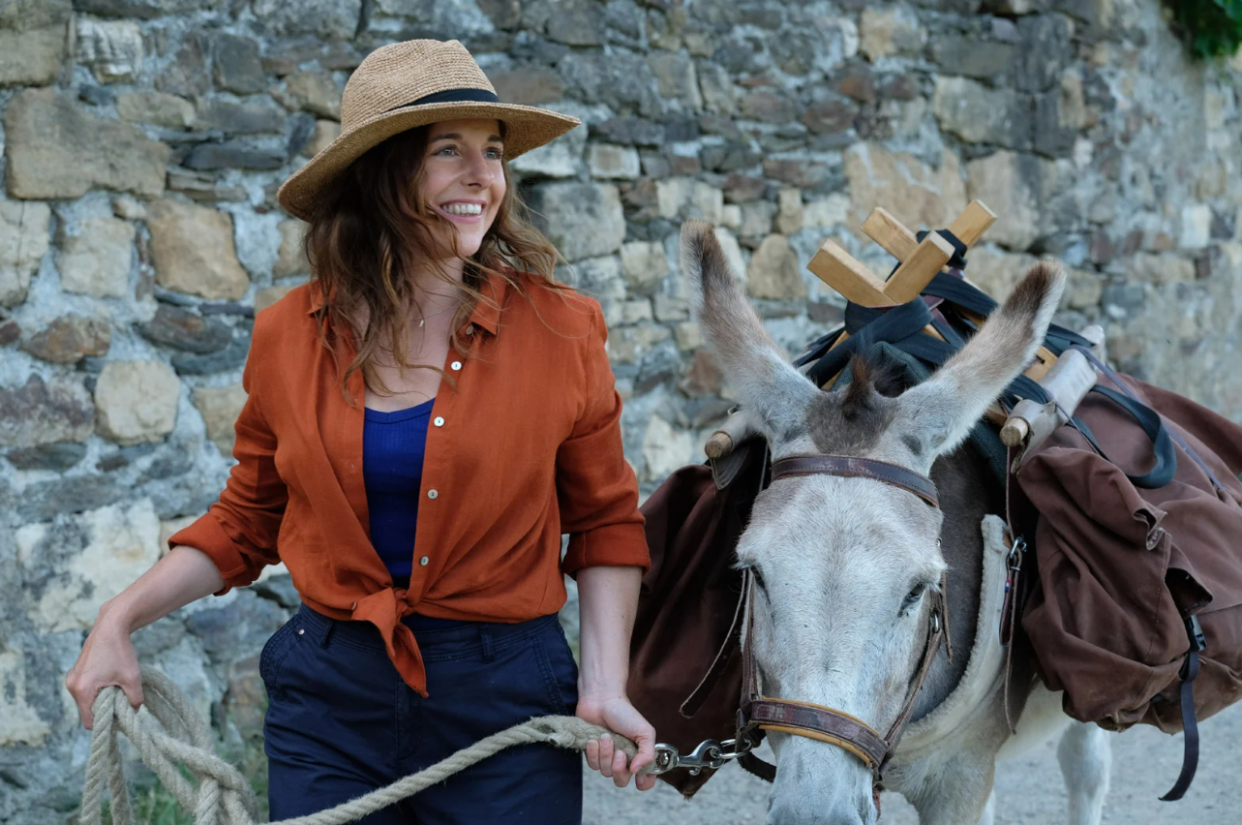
x=845 y=569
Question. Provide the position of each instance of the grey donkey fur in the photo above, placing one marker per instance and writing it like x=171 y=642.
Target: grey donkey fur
x=845 y=564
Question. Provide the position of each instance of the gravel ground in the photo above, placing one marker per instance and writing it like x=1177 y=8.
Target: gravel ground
x=1029 y=790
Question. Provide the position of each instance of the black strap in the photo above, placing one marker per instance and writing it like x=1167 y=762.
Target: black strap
x=1153 y=425
x=452 y=96
x=753 y=764
x=1190 y=725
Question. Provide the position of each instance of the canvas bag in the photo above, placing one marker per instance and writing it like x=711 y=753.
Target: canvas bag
x=1123 y=567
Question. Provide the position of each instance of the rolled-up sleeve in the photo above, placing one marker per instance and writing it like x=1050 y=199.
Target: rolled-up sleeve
x=239 y=531
x=596 y=488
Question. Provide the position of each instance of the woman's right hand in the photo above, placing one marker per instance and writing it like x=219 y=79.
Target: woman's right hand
x=107 y=658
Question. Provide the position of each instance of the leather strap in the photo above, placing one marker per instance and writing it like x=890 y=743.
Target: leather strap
x=855 y=467
x=825 y=724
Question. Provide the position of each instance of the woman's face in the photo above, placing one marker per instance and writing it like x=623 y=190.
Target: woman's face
x=463 y=178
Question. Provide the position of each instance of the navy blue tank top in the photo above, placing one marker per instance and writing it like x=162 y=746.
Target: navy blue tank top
x=393 y=446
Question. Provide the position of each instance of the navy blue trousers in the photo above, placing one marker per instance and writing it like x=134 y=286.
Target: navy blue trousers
x=341 y=722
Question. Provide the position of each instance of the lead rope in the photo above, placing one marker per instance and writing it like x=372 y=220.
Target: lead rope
x=223 y=796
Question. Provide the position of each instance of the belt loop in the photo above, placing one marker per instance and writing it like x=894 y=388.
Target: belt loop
x=488 y=653
x=327 y=632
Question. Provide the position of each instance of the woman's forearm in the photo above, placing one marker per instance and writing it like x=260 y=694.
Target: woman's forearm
x=607 y=601
x=183 y=576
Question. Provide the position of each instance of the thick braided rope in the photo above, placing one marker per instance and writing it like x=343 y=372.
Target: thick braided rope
x=223 y=796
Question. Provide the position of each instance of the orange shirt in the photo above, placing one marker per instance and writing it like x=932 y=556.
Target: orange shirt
x=526 y=447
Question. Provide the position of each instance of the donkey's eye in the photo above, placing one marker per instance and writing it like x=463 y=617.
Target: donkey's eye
x=912 y=598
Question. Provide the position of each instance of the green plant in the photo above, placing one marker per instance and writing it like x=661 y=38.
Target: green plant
x=1212 y=28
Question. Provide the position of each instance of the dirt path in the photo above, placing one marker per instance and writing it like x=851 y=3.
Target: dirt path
x=1029 y=790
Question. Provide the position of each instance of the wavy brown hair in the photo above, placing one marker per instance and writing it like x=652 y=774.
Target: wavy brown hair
x=372 y=231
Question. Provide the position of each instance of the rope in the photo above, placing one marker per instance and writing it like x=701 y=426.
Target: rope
x=223 y=796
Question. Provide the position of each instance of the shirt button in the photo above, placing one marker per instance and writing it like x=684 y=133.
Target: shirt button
x=432 y=494
x=423 y=561
x=439 y=422
x=456 y=365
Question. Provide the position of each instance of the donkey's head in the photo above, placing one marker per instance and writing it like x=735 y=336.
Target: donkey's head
x=845 y=567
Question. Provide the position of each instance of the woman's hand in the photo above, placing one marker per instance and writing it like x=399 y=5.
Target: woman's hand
x=617 y=714
x=107 y=658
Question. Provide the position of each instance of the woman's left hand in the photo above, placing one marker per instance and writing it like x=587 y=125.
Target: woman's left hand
x=617 y=714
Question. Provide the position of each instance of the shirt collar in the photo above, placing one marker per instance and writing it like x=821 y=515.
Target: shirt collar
x=485 y=315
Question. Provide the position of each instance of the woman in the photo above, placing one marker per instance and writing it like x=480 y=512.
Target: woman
x=420 y=509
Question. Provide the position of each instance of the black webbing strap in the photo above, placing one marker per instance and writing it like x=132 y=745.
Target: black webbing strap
x=1190 y=725
x=1151 y=423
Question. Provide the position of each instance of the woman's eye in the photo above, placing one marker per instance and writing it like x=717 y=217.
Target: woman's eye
x=496 y=154
x=447 y=150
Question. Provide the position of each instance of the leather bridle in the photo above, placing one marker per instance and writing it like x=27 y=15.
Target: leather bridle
x=817 y=721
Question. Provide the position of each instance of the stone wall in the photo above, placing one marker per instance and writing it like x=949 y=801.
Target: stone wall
x=143 y=142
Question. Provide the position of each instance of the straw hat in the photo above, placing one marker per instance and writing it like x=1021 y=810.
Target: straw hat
x=405 y=85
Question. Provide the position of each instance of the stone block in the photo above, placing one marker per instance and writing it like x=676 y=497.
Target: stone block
x=58 y=150
x=312 y=91
x=97 y=260
x=156 y=108
x=918 y=195
x=229 y=358
x=1046 y=50
x=1084 y=289
x=676 y=78
x=240 y=118
x=186 y=331
x=1196 y=226
x=233 y=155
x=266 y=297
x=716 y=89
x=731 y=216
x=609 y=161
x=774 y=272
x=112 y=48
x=203 y=186
x=767 y=106
x=806 y=174
x=972 y=56
x=790 y=215
x=527 y=85
x=57 y=457
x=684 y=197
x=324 y=19
x=890 y=31
x=33 y=41
x=757 y=217
x=220 y=408
x=324 y=133
x=1161 y=268
x=20 y=723
x=689 y=337
x=644 y=265
x=825 y=213
x=70 y=338
x=87 y=559
x=291 y=257
x=620 y=80
x=1016 y=187
x=583 y=220
x=558 y=159
x=636 y=312
x=193 y=252
x=978 y=114
x=829 y=117
x=187 y=74
x=24 y=240
x=45 y=412
x=669 y=308
x=742 y=188
x=236 y=65
x=664 y=449
x=136 y=401
x=997 y=272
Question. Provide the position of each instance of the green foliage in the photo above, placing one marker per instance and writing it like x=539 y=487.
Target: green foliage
x=1213 y=28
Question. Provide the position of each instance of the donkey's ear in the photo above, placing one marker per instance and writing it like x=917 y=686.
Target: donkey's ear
x=940 y=412
x=776 y=394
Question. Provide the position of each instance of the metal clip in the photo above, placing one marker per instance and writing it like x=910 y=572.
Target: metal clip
x=709 y=754
x=1016 y=552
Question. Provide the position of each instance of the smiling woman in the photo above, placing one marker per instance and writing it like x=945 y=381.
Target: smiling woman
x=424 y=420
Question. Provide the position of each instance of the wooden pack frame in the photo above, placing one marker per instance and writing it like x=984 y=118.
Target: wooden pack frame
x=918 y=263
